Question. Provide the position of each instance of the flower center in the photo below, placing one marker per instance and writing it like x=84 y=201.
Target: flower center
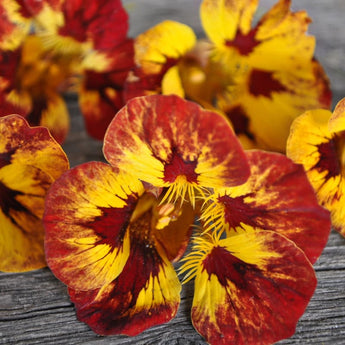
x=245 y=44
x=263 y=83
x=332 y=156
x=181 y=179
x=178 y=168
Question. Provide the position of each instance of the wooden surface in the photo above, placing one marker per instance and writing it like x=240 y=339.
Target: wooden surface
x=34 y=306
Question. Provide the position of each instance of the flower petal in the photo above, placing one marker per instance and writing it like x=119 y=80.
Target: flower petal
x=251 y=289
x=222 y=20
x=160 y=139
x=284 y=39
x=76 y=26
x=146 y=293
x=51 y=111
x=22 y=189
x=161 y=46
x=174 y=228
x=21 y=144
x=337 y=120
x=14 y=103
x=278 y=197
x=11 y=34
x=30 y=160
x=87 y=212
x=172 y=83
x=321 y=153
x=98 y=107
x=159 y=51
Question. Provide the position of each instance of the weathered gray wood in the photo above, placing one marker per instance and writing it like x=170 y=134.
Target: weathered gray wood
x=34 y=306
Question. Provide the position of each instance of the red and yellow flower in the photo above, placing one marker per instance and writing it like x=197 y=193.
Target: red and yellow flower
x=76 y=46
x=252 y=264
x=31 y=83
x=113 y=230
x=250 y=288
x=317 y=141
x=272 y=75
x=103 y=239
x=30 y=161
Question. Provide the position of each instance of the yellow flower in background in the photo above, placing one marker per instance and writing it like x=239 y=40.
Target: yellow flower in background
x=270 y=74
x=317 y=141
x=30 y=161
x=158 y=53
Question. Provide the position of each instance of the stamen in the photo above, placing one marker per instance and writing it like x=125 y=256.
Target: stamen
x=179 y=189
x=202 y=246
x=213 y=215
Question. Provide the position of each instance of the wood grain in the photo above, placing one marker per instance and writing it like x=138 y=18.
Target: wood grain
x=34 y=306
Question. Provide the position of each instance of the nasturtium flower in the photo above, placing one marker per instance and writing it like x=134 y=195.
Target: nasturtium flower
x=73 y=26
x=270 y=74
x=31 y=79
x=83 y=47
x=112 y=231
x=169 y=142
x=317 y=141
x=252 y=263
x=250 y=288
x=30 y=161
x=158 y=54
x=111 y=241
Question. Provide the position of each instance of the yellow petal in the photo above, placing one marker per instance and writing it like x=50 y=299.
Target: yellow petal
x=337 y=120
x=171 y=83
x=166 y=41
x=23 y=189
x=32 y=146
x=88 y=210
x=222 y=19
